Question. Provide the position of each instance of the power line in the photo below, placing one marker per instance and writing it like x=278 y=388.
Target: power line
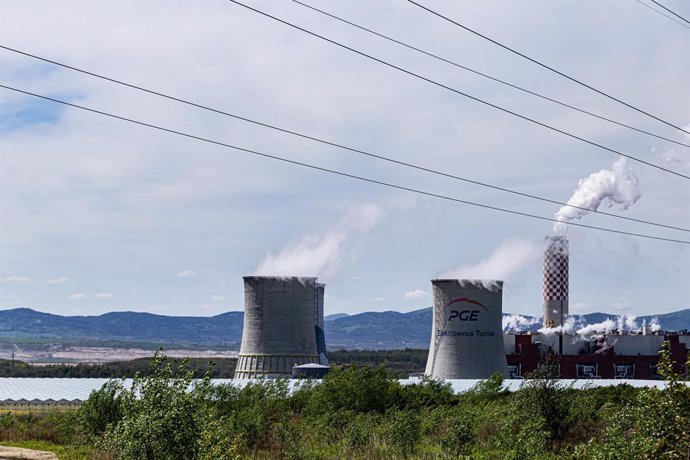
x=441 y=85
x=579 y=82
x=672 y=12
x=333 y=171
x=337 y=145
x=662 y=13
x=503 y=82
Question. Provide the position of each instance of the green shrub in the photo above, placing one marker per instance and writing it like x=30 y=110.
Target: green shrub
x=359 y=433
x=359 y=390
x=459 y=433
x=163 y=415
x=402 y=431
x=103 y=408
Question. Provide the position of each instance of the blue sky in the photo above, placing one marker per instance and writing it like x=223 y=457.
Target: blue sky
x=97 y=215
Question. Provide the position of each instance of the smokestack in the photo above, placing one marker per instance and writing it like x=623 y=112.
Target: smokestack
x=555 y=307
x=467 y=335
x=279 y=326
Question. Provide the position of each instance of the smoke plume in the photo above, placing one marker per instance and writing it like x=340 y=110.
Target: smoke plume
x=581 y=331
x=616 y=186
x=518 y=323
x=676 y=156
x=511 y=256
x=321 y=254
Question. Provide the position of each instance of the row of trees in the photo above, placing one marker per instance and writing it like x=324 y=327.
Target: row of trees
x=398 y=363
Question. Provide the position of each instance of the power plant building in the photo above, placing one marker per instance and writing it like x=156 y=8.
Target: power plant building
x=467 y=335
x=280 y=323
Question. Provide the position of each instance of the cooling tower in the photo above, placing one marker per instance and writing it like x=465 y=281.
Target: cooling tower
x=467 y=334
x=319 y=325
x=555 y=307
x=278 y=326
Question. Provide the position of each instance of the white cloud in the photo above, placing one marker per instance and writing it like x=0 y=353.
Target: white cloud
x=60 y=280
x=187 y=274
x=416 y=294
x=15 y=279
x=102 y=295
x=219 y=298
x=510 y=257
x=139 y=206
x=76 y=296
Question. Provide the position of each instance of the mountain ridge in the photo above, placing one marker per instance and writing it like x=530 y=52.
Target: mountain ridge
x=373 y=330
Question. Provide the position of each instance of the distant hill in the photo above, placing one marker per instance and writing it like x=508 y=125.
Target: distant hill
x=222 y=329
x=371 y=330
x=335 y=316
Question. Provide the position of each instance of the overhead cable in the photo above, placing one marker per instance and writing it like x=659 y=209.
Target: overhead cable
x=672 y=12
x=662 y=13
x=456 y=91
x=498 y=80
x=341 y=146
x=579 y=82
x=336 y=172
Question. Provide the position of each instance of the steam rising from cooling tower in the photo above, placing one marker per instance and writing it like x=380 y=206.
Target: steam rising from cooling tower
x=510 y=257
x=556 y=260
x=281 y=316
x=466 y=337
x=619 y=186
x=321 y=254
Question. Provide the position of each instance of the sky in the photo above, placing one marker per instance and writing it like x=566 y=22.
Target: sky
x=98 y=215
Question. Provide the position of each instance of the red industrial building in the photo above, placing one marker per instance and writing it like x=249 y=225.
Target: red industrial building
x=614 y=356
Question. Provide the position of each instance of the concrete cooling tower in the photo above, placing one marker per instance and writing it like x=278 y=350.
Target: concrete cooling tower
x=319 y=325
x=555 y=307
x=279 y=326
x=467 y=333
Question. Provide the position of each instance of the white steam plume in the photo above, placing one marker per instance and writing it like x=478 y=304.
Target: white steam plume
x=567 y=328
x=518 y=323
x=619 y=186
x=597 y=329
x=511 y=256
x=654 y=325
x=321 y=254
x=675 y=155
x=600 y=330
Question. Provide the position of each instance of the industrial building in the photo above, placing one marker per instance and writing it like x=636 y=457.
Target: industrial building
x=282 y=317
x=284 y=336
x=466 y=335
x=616 y=355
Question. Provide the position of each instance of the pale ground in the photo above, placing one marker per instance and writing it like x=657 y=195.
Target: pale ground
x=17 y=452
x=95 y=355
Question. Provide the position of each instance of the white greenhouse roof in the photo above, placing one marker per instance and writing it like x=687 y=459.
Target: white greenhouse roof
x=32 y=390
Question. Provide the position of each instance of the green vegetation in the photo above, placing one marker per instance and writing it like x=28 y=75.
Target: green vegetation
x=398 y=363
x=360 y=412
x=223 y=368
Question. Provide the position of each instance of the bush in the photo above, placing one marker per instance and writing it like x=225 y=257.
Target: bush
x=358 y=390
x=402 y=431
x=103 y=408
x=459 y=434
x=164 y=415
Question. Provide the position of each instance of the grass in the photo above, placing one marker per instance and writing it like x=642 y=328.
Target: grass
x=63 y=452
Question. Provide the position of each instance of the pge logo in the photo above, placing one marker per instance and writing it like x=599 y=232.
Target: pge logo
x=464 y=315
